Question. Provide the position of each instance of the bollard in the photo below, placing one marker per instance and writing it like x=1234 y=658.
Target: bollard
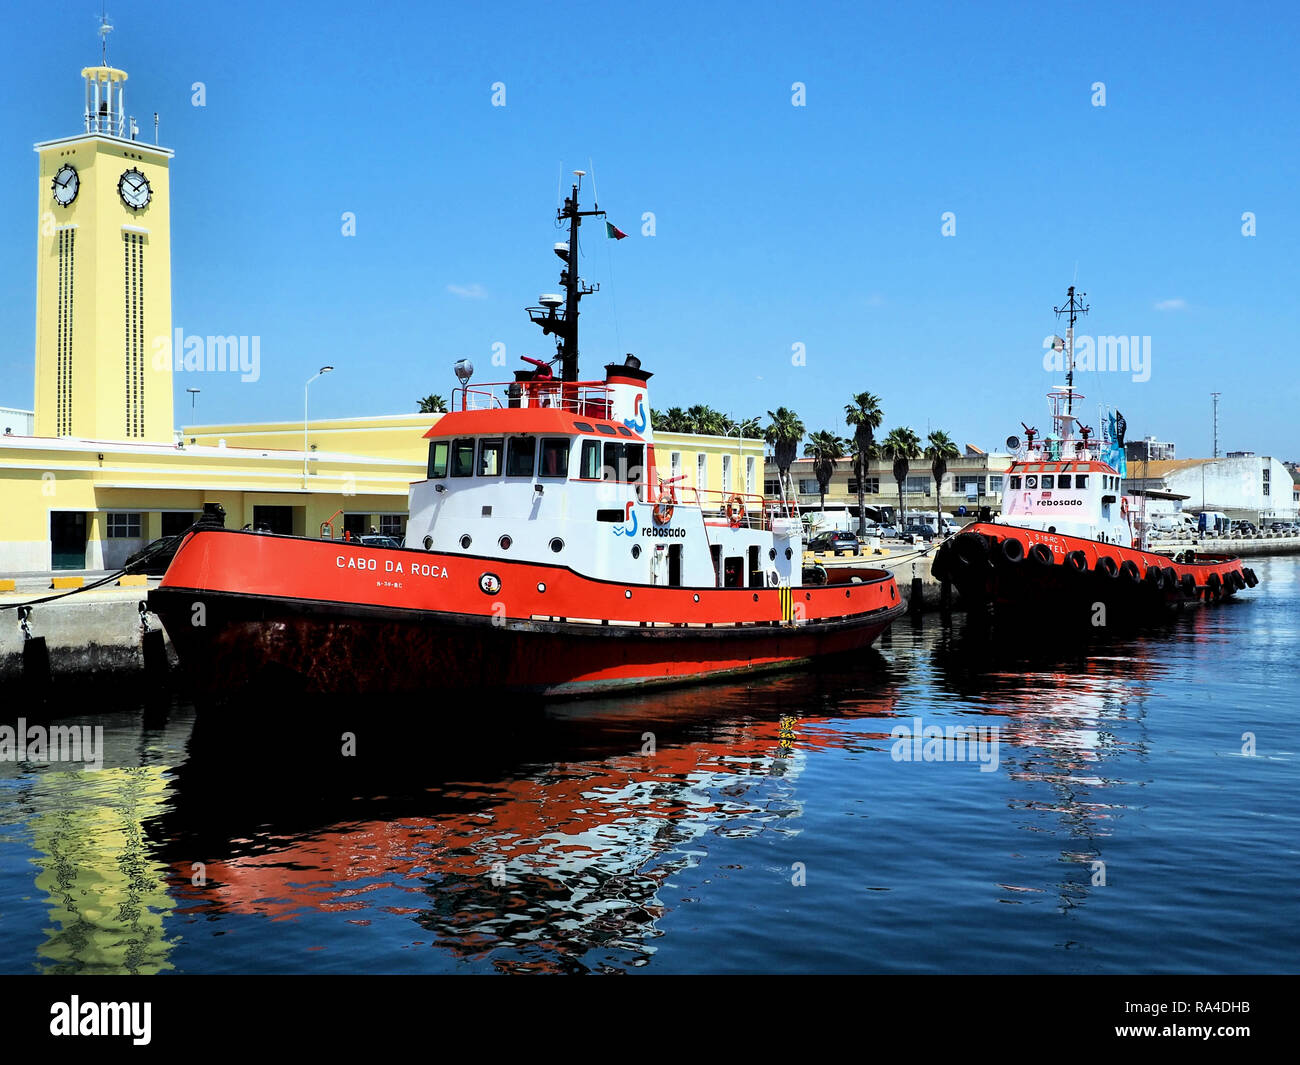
x=914 y=605
x=154 y=651
x=155 y=656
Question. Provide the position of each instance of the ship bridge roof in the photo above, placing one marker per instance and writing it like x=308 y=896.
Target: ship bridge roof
x=504 y=421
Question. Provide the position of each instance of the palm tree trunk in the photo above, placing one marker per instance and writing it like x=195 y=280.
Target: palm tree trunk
x=901 y=521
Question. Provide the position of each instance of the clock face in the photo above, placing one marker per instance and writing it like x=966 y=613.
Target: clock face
x=134 y=189
x=66 y=183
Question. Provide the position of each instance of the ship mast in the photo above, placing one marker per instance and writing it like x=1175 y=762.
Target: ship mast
x=564 y=325
x=1074 y=306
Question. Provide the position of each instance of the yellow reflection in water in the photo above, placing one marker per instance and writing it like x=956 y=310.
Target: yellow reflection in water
x=107 y=897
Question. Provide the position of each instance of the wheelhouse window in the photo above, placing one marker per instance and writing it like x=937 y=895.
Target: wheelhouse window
x=462 y=457
x=489 y=457
x=1049 y=480
x=623 y=462
x=439 y=453
x=1063 y=481
x=1081 y=480
x=1015 y=483
x=555 y=457
x=589 y=463
x=521 y=456
x=1031 y=481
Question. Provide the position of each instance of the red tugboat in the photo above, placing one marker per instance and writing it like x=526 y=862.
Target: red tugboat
x=1066 y=540
x=544 y=555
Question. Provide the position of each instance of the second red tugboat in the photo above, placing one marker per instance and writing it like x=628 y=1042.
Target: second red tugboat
x=1067 y=540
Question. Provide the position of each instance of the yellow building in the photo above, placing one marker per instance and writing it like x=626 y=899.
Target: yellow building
x=102 y=472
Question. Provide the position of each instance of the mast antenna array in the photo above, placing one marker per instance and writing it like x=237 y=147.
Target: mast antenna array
x=564 y=324
x=1074 y=306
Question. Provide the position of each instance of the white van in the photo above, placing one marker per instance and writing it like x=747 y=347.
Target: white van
x=1213 y=522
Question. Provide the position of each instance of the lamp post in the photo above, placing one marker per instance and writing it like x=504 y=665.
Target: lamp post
x=740 y=454
x=194 y=396
x=319 y=373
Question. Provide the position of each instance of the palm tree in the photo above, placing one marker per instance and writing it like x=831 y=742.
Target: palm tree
x=940 y=450
x=902 y=445
x=863 y=416
x=433 y=404
x=784 y=434
x=825 y=448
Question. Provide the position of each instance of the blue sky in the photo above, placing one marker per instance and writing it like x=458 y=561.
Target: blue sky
x=776 y=225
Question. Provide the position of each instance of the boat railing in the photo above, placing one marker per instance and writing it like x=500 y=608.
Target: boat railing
x=587 y=399
x=718 y=507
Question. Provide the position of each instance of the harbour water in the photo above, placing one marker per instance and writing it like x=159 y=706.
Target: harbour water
x=1137 y=814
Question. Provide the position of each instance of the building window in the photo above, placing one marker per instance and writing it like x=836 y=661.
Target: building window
x=393 y=525
x=701 y=472
x=917 y=486
x=771 y=488
x=749 y=475
x=726 y=474
x=63 y=339
x=995 y=483
x=133 y=263
x=124 y=526
x=808 y=487
x=675 y=464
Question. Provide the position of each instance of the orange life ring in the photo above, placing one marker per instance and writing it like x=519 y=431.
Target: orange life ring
x=735 y=511
x=1123 y=508
x=663 y=512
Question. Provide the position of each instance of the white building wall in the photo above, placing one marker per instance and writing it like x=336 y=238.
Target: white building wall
x=1236 y=487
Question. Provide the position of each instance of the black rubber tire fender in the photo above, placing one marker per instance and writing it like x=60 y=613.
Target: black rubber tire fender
x=1107 y=566
x=1188 y=583
x=1013 y=550
x=1154 y=576
x=1041 y=555
x=1076 y=562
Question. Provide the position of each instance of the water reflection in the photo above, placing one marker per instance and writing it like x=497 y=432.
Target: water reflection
x=565 y=838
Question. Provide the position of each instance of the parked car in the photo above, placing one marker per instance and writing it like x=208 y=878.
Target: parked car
x=372 y=540
x=925 y=531
x=159 y=554
x=836 y=541
x=888 y=532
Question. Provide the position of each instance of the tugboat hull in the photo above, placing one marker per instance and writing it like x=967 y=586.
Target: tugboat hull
x=1010 y=568
x=248 y=611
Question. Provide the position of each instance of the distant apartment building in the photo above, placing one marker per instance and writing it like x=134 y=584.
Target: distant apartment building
x=1149 y=449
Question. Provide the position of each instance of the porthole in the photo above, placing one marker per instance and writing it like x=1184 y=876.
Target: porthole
x=627 y=593
x=505 y=542
x=756 y=597
x=489 y=584
x=771 y=554
x=465 y=541
x=697 y=597
x=636 y=550
x=428 y=543
x=788 y=554
x=557 y=545
x=541 y=587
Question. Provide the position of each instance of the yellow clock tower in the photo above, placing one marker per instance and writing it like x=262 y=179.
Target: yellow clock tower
x=103 y=277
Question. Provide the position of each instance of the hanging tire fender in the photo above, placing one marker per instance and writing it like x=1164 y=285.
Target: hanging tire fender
x=1076 y=562
x=1041 y=555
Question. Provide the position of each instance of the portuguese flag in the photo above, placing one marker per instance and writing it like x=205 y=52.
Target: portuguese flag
x=612 y=232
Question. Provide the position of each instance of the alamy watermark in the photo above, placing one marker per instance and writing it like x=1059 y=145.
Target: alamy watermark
x=209 y=354
x=52 y=743
x=919 y=742
x=1101 y=355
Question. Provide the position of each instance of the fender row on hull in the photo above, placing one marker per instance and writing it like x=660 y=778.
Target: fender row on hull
x=1009 y=567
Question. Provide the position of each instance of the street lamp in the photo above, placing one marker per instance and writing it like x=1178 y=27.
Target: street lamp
x=194 y=396
x=739 y=430
x=319 y=373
